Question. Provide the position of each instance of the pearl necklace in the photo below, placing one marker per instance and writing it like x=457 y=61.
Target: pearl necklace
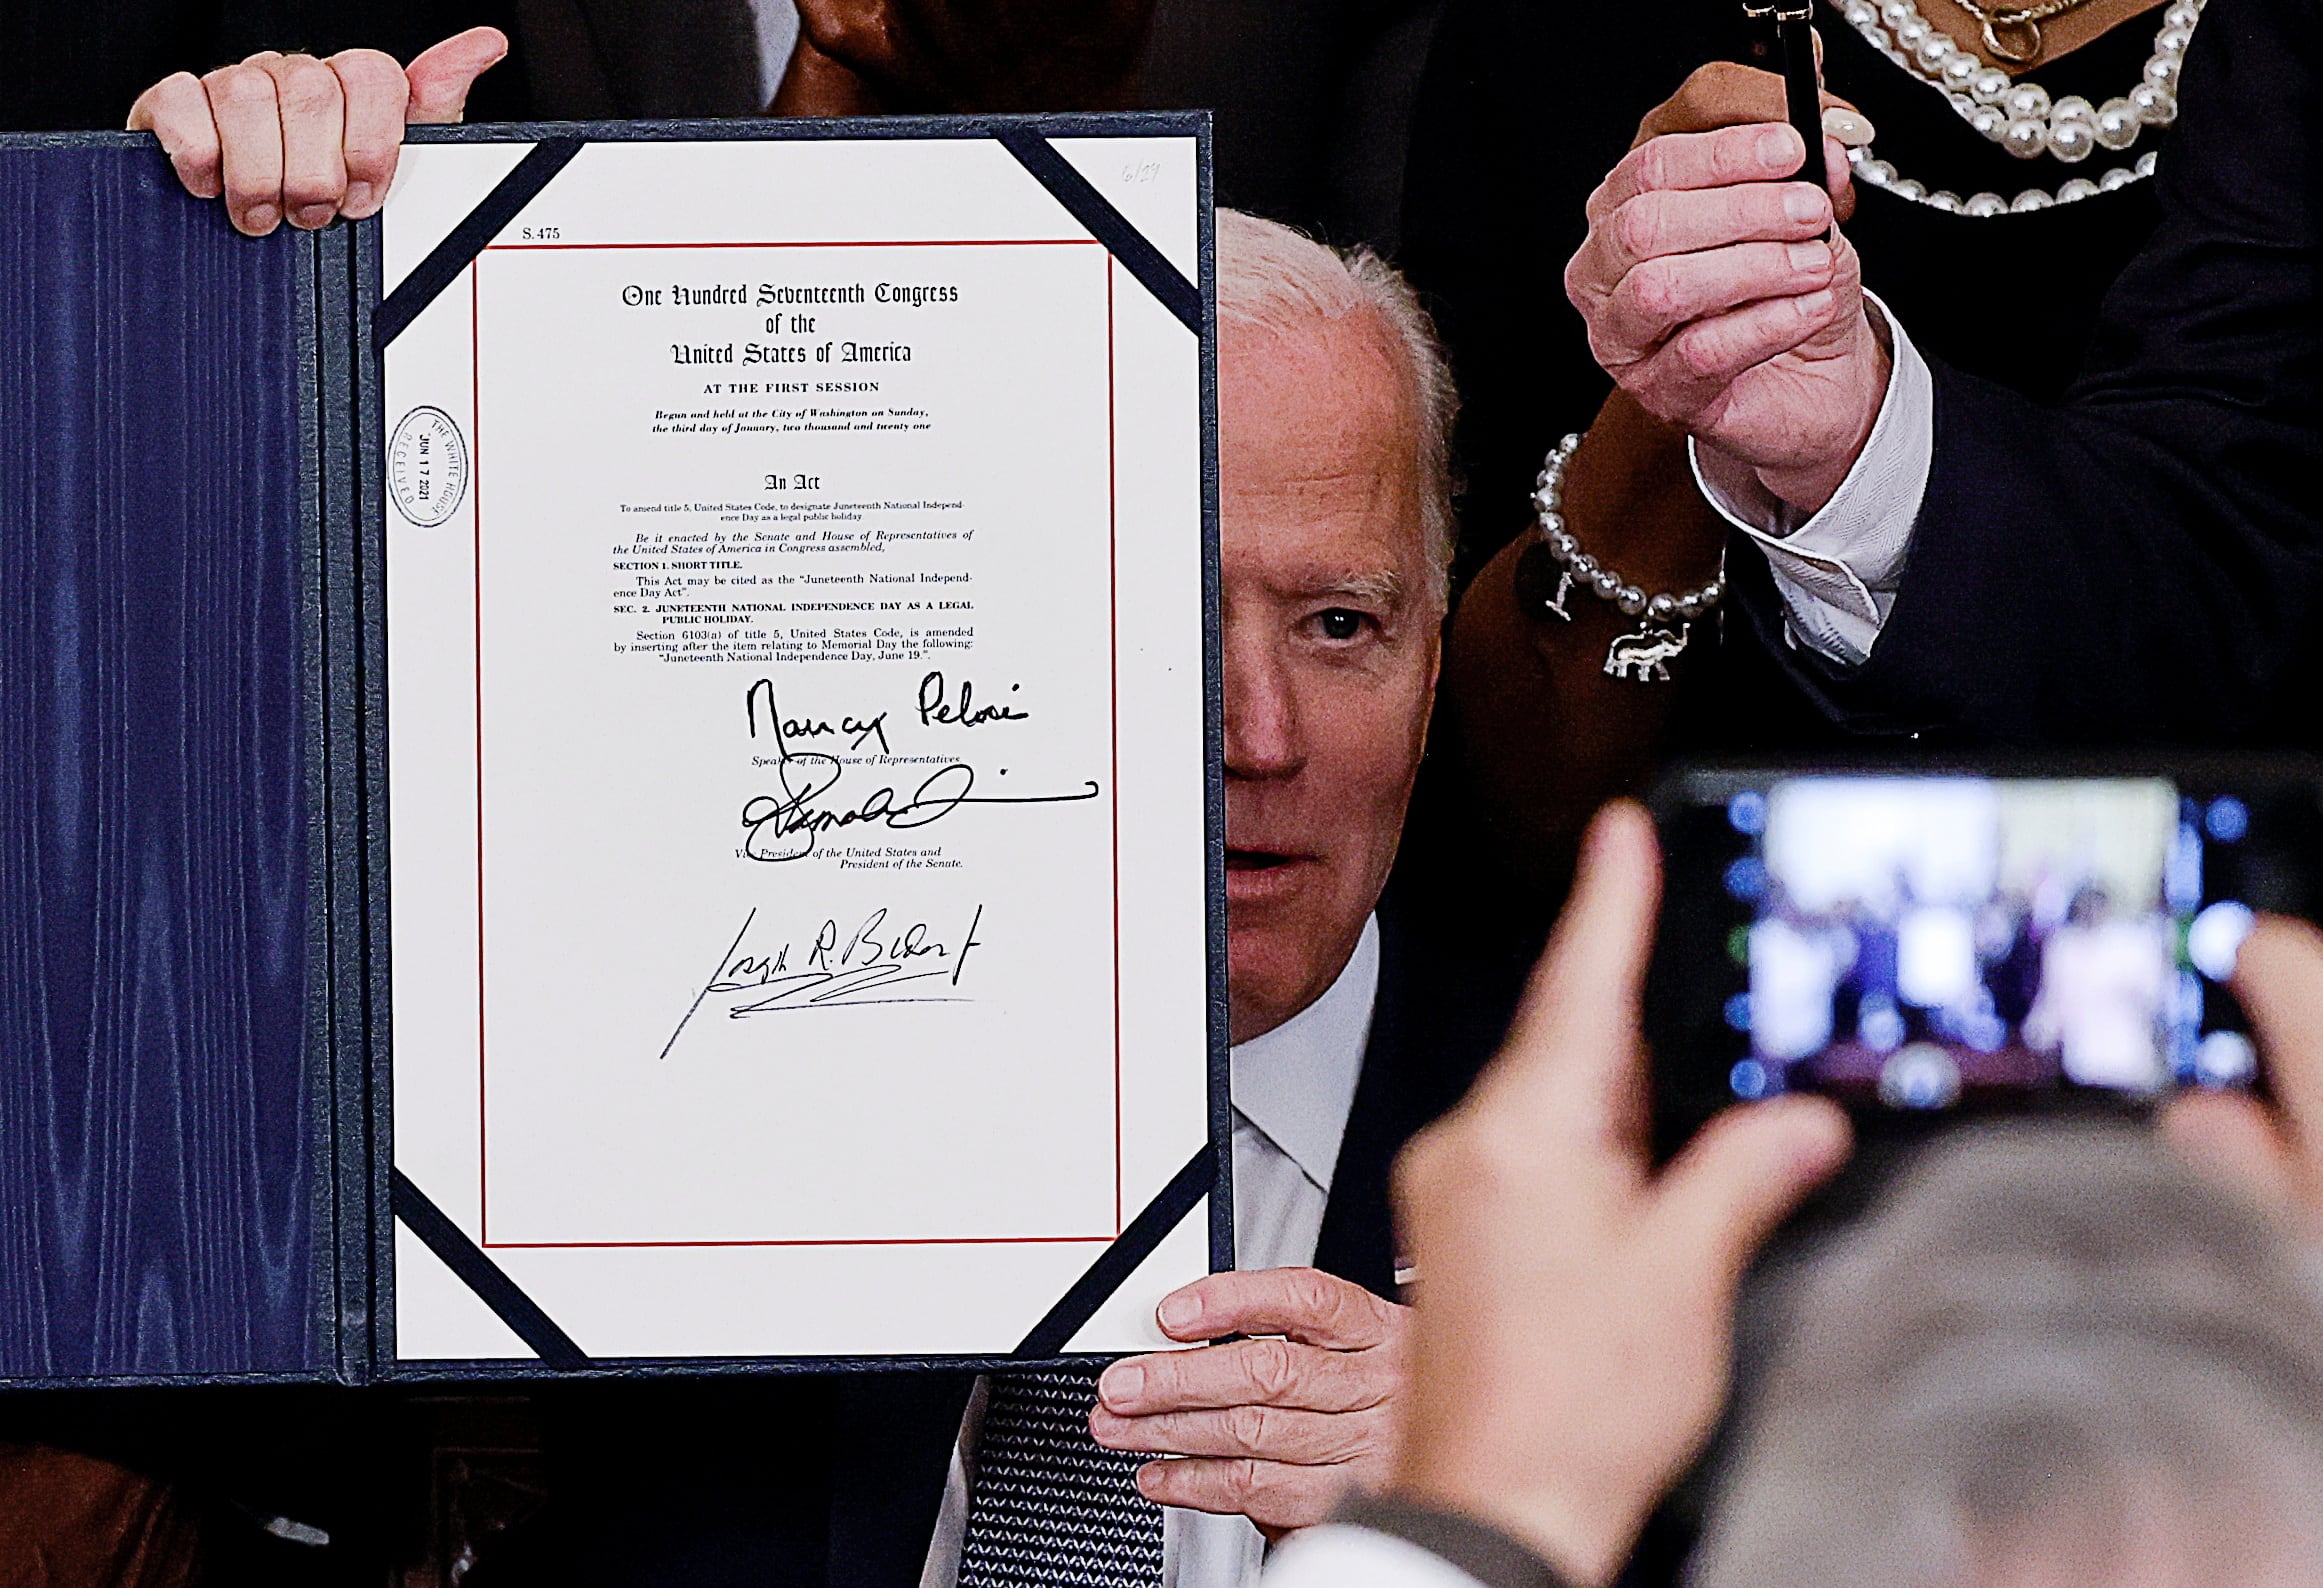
x=2018 y=115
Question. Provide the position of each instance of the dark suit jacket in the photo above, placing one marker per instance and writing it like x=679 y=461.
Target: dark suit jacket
x=837 y=1482
x=604 y=59
x=2144 y=563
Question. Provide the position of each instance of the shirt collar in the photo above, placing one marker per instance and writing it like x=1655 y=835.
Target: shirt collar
x=1296 y=1084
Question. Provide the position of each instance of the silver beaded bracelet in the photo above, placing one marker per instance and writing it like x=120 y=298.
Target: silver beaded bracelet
x=1668 y=619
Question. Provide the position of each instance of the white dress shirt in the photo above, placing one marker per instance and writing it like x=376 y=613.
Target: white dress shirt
x=1355 y=1557
x=778 y=33
x=1837 y=569
x=1292 y=1090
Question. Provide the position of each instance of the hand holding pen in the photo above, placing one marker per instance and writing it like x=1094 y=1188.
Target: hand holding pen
x=1719 y=294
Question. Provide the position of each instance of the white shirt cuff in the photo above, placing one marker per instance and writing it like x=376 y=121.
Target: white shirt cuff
x=1337 y=1556
x=1837 y=571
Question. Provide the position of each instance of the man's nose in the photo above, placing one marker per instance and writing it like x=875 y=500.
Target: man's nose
x=1262 y=716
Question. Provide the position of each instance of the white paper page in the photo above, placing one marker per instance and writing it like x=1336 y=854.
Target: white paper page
x=794 y=625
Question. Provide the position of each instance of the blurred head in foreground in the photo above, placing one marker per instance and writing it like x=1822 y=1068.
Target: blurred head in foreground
x=2053 y=1357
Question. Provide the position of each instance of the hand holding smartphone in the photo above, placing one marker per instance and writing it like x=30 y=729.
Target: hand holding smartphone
x=1921 y=943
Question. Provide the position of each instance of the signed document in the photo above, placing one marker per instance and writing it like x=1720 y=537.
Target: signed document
x=796 y=746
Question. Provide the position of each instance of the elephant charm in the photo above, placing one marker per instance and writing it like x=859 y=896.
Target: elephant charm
x=1645 y=656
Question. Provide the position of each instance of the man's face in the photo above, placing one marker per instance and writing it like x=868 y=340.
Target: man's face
x=1332 y=631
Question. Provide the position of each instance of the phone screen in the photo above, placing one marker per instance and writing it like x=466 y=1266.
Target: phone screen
x=1922 y=944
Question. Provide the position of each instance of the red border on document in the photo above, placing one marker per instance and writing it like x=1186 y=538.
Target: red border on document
x=1113 y=516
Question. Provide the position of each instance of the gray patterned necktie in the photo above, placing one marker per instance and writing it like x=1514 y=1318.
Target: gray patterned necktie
x=1050 y=1507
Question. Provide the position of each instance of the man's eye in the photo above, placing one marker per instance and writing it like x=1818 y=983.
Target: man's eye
x=1342 y=623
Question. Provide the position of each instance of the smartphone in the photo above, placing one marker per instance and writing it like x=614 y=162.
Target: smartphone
x=1924 y=943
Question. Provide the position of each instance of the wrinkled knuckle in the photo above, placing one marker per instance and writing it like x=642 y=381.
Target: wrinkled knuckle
x=1654 y=291
x=1576 y=289
x=1273 y=1367
x=1739 y=160
x=1656 y=164
x=1248 y=1427
x=1637 y=227
x=1700 y=355
x=179 y=115
x=1727 y=158
x=307 y=87
x=1314 y=1293
x=240 y=88
x=179 y=90
x=370 y=68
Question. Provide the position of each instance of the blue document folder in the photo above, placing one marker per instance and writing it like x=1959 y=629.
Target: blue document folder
x=166 y=1144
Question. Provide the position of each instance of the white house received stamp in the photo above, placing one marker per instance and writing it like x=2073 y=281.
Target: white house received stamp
x=427 y=467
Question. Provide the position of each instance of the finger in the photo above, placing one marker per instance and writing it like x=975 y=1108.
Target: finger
x=1269 y=1493
x=375 y=92
x=1742 y=1176
x=1573 y=1048
x=1263 y=1433
x=1659 y=225
x=1245 y=1373
x=442 y=75
x=1661 y=295
x=177 y=111
x=2278 y=976
x=249 y=125
x=1767 y=152
x=314 y=129
x=1724 y=94
x=1305 y=1304
x=1721 y=94
x=1839 y=177
x=1704 y=359
x=2235 y=1142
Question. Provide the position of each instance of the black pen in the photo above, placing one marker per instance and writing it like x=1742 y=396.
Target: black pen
x=1788 y=46
x=1802 y=83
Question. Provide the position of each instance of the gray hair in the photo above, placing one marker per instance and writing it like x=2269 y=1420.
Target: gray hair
x=1272 y=277
x=2048 y=1344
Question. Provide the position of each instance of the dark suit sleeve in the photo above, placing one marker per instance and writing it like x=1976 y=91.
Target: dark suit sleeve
x=2144 y=563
